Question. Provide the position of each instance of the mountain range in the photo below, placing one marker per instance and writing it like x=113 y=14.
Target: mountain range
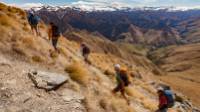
x=149 y=26
x=27 y=61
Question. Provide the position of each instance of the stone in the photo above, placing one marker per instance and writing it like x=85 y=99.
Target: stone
x=47 y=80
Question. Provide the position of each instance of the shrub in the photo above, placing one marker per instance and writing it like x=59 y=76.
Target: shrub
x=78 y=73
x=120 y=105
x=2 y=6
x=135 y=93
x=53 y=54
x=5 y=20
x=103 y=103
x=109 y=73
x=19 y=50
x=149 y=104
x=37 y=58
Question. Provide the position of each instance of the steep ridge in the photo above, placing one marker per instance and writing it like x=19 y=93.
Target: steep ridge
x=182 y=65
x=89 y=87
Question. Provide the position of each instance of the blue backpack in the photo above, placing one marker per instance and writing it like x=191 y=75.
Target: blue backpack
x=170 y=98
x=33 y=19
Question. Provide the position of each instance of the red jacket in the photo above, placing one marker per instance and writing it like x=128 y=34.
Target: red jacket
x=162 y=101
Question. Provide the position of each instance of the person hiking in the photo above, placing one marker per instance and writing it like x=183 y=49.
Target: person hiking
x=54 y=34
x=162 y=107
x=122 y=81
x=34 y=21
x=170 y=96
x=85 y=52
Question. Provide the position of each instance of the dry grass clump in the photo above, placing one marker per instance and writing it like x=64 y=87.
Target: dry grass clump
x=134 y=93
x=149 y=88
x=2 y=7
x=5 y=20
x=37 y=59
x=53 y=54
x=149 y=104
x=16 y=11
x=104 y=103
x=29 y=42
x=109 y=73
x=120 y=105
x=19 y=50
x=78 y=72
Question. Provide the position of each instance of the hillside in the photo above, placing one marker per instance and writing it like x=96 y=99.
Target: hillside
x=87 y=87
x=182 y=65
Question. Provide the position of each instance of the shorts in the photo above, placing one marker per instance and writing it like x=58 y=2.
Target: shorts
x=120 y=87
x=34 y=26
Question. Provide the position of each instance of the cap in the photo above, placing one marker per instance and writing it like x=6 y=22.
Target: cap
x=117 y=66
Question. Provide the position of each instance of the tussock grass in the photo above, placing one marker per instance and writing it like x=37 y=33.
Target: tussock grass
x=149 y=104
x=120 y=105
x=28 y=42
x=19 y=50
x=103 y=103
x=37 y=59
x=134 y=93
x=109 y=73
x=78 y=73
x=5 y=20
x=2 y=7
x=54 y=54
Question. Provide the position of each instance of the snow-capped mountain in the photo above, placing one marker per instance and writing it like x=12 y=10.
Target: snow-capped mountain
x=89 y=7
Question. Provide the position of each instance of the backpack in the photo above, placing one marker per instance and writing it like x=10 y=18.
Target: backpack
x=86 y=50
x=124 y=77
x=55 y=31
x=170 y=98
x=33 y=19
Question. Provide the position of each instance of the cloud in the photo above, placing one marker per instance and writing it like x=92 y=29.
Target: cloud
x=26 y=5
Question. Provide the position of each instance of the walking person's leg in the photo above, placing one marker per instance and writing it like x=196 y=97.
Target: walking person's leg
x=124 y=95
x=54 y=43
x=36 y=30
x=32 y=29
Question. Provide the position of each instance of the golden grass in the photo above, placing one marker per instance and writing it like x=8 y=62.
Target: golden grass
x=29 y=42
x=120 y=105
x=37 y=59
x=134 y=93
x=19 y=50
x=78 y=73
x=5 y=20
x=53 y=54
x=2 y=7
x=16 y=11
x=149 y=104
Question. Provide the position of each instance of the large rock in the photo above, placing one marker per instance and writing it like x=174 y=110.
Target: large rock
x=47 y=80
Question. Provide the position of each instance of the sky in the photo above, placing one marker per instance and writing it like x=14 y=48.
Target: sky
x=132 y=3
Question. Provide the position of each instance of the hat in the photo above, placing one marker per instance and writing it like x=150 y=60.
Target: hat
x=117 y=66
x=160 y=89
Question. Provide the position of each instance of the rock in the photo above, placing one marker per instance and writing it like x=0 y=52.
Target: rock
x=47 y=80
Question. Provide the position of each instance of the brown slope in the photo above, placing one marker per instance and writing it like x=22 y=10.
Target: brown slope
x=182 y=64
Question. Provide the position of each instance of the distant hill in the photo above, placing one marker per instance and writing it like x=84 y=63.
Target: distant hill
x=182 y=64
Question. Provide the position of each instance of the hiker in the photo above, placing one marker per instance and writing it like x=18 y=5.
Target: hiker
x=162 y=107
x=122 y=81
x=54 y=34
x=170 y=96
x=85 y=52
x=33 y=21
